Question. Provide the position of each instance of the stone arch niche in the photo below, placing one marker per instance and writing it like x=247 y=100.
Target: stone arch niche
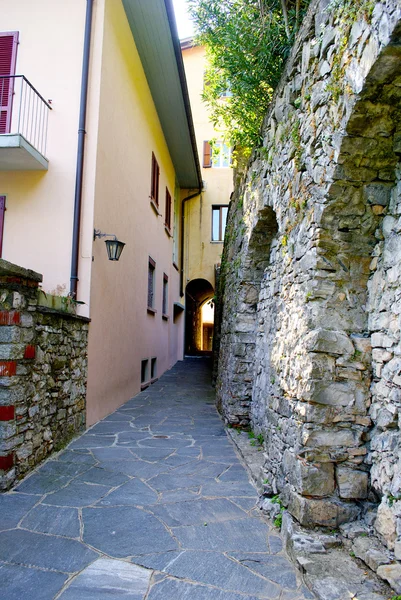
x=236 y=378
x=298 y=363
x=359 y=250
x=197 y=293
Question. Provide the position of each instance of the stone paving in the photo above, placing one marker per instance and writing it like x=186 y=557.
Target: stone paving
x=150 y=503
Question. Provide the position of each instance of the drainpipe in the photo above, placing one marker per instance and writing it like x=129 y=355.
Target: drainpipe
x=198 y=193
x=80 y=153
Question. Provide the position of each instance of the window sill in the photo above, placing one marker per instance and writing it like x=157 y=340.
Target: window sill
x=155 y=207
x=151 y=311
x=216 y=241
x=146 y=384
x=168 y=231
x=165 y=317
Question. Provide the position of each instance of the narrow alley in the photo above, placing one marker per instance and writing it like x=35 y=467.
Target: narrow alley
x=150 y=503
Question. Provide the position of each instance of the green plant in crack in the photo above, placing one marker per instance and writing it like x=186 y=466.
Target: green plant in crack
x=279 y=518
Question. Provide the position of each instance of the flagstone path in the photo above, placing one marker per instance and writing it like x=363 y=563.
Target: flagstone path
x=152 y=503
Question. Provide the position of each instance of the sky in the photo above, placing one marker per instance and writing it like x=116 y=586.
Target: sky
x=184 y=24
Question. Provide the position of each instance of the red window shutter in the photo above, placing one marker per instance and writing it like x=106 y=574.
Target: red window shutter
x=167 y=220
x=8 y=56
x=154 y=192
x=157 y=184
x=2 y=211
x=207 y=155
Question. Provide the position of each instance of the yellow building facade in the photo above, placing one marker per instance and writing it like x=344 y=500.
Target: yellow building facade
x=205 y=215
x=139 y=160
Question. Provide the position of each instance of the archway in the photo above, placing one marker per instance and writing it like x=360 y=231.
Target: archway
x=237 y=367
x=199 y=317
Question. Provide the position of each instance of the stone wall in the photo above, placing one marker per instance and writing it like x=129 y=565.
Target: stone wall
x=43 y=369
x=384 y=307
x=309 y=277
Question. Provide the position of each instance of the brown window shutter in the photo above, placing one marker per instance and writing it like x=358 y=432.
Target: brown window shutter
x=207 y=155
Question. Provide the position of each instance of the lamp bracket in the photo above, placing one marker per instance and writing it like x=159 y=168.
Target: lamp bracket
x=99 y=234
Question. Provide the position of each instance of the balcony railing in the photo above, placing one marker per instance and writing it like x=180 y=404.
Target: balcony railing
x=23 y=111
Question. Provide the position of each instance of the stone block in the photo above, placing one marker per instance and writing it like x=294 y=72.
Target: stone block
x=392 y=574
x=331 y=438
x=385 y=524
x=378 y=193
x=352 y=484
x=325 y=512
x=382 y=340
x=309 y=479
x=330 y=342
x=368 y=550
x=332 y=393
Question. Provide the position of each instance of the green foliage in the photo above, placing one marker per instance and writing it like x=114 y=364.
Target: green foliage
x=346 y=13
x=395 y=597
x=278 y=521
x=247 y=43
x=256 y=440
x=391 y=499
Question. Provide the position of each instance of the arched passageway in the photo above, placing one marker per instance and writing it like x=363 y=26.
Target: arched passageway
x=199 y=317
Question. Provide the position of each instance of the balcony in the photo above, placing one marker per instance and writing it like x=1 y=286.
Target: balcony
x=24 y=115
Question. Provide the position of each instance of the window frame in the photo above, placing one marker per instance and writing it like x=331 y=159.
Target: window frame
x=165 y=314
x=151 y=286
x=167 y=215
x=223 y=148
x=220 y=208
x=155 y=180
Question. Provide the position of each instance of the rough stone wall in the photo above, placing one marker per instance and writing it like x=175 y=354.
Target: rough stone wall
x=43 y=370
x=384 y=322
x=295 y=356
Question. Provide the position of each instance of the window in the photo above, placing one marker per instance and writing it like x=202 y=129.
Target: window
x=167 y=218
x=154 y=189
x=176 y=224
x=227 y=93
x=151 y=285
x=144 y=373
x=219 y=218
x=153 y=369
x=221 y=155
x=217 y=156
x=165 y=297
x=8 y=55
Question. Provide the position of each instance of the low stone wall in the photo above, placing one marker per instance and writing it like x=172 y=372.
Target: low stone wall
x=43 y=370
x=310 y=273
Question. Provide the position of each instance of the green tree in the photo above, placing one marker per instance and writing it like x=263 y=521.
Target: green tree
x=247 y=43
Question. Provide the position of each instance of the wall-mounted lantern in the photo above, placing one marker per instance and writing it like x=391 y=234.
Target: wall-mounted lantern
x=114 y=246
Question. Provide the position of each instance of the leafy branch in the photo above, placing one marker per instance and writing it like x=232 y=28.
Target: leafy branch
x=247 y=43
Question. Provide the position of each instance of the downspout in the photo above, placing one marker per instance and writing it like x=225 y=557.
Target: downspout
x=80 y=153
x=198 y=193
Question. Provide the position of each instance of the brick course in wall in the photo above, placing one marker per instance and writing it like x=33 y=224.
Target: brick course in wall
x=43 y=370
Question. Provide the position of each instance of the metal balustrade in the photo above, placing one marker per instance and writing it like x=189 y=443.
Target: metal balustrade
x=23 y=111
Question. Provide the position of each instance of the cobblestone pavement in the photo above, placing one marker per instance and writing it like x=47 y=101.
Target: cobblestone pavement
x=150 y=503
